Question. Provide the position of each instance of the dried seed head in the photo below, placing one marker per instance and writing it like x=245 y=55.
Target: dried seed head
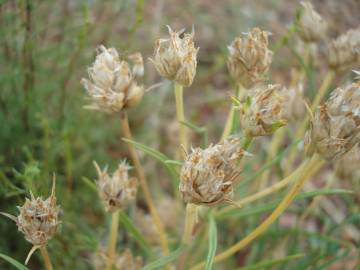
x=38 y=219
x=118 y=190
x=175 y=57
x=208 y=175
x=312 y=27
x=264 y=110
x=294 y=107
x=335 y=128
x=249 y=58
x=344 y=52
x=347 y=166
x=111 y=85
x=124 y=261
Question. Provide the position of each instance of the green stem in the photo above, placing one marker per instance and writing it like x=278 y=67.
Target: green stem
x=180 y=114
x=112 y=239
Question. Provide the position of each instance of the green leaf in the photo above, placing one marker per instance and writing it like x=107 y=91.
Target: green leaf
x=199 y=130
x=212 y=243
x=236 y=213
x=130 y=227
x=14 y=262
x=270 y=263
x=160 y=263
x=159 y=156
x=89 y=183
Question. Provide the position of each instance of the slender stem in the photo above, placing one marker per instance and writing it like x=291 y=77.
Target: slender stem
x=143 y=183
x=290 y=196
x=190 y=219
x=329 y=77
x=46 y=257
x=247 y=142
x=230 y=118
x=180 y=114
x=274 y=146
x=112 y=239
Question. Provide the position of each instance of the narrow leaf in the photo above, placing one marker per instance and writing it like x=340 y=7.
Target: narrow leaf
x=160 y=263
x=89 y=183
x=14 y=262
x=130 y=227
x=212 y=243
x=270 y=263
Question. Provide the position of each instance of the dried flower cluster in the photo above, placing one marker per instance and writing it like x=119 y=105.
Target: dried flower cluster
x=208 y=175
x=112 y=86
x=344 y=52
x=124 y=261
x=249 y=58
x=118 y=190
x=38 y=219
x=312 y=27
x=335 y=128
x=175 y=57
x=264 y=111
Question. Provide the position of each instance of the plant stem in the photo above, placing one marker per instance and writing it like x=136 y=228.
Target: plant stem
x=143 y=183
x=329 y=77
x=190 y=218
x=112 y=239
x=180 y=114
x=304 y=176
x=230 y=118
x=46 y=257
x=247 y=142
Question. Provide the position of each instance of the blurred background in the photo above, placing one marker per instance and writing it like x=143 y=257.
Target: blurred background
x=45 y=48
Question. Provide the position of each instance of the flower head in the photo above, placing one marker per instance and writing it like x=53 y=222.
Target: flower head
x=249 y=57
x=118 y=190
x=208 y=175
x=344 y=52
x=112 y=86
x=264 y=110
x=312 y=27
x=38 y=219
x=175 y=57
x=335 y=128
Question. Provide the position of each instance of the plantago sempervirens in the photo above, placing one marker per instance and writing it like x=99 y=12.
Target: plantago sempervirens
x=312 y=27
x=112 y=86
x=175 y=57
x=249 y=58
x=208 y=175
x=38 y=220
x=264 y=110
x=118 y=190
x=335 y=128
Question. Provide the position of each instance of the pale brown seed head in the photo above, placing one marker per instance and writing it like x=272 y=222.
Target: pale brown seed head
x=38 y=219
x=207 y=175
x=335 y=128
x=294 y=108
x=312 y=27
x=175 y=57
x=249 y=58
x=111 y=84
x=118 y=190
x=264 y=110
x=344 y=52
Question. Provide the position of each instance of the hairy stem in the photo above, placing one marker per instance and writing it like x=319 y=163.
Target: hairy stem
x=180 y=114
x=290 y=196
x=143 y=183
x=112 y=239
x=46 y=257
